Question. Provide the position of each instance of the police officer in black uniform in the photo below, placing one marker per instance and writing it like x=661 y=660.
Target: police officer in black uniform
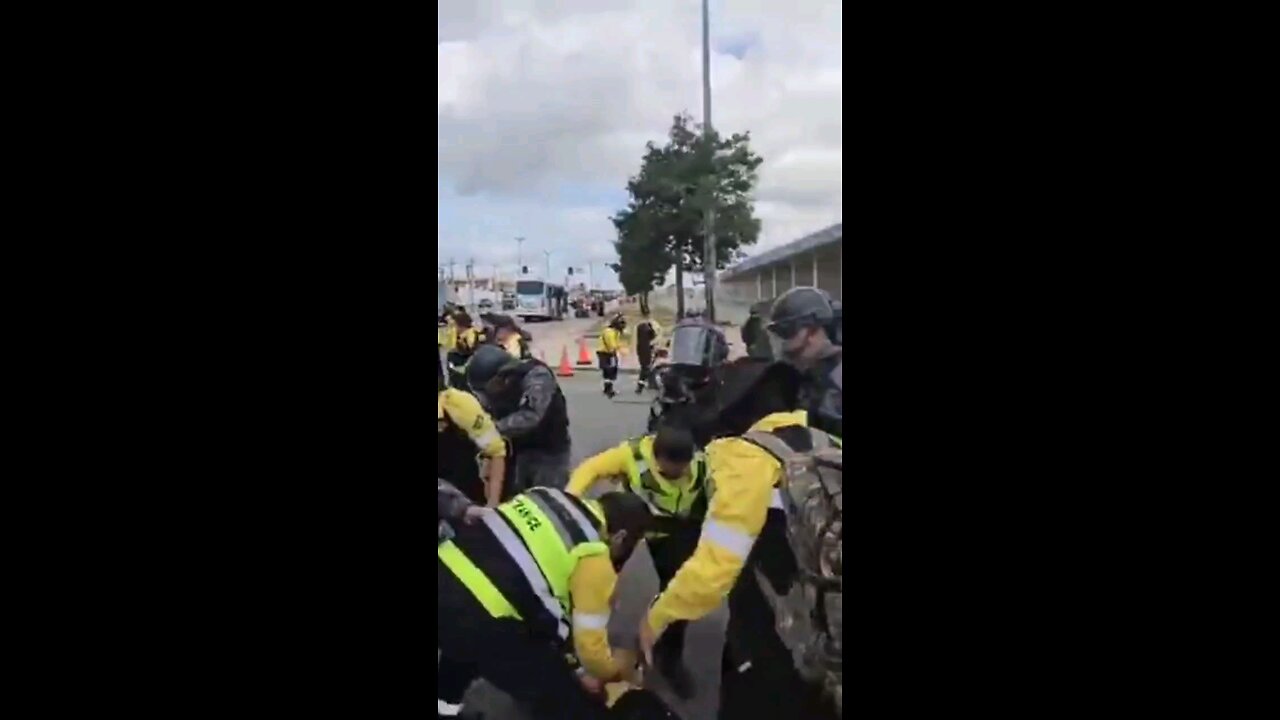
x=686 y=386
x=805 y=329
x=530 y=410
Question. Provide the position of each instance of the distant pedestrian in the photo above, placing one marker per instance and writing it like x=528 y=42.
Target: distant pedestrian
x=607 y=352
x=646 y=340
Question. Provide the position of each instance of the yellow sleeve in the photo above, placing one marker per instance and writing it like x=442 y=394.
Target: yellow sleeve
x=465 y=412
x=744 y=476
x=591 y=589
x=610 y=463
x=467 y=340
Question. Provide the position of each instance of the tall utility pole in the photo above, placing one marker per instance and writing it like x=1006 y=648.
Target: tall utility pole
x=710 y=252
x=451 y=264
x=548 y=276
x=471 y=283
x=519 y=257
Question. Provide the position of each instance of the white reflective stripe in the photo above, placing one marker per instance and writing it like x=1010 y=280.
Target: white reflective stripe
x=584 y=621
x=775 y=500
x=545 y=506
x=518 y=552
x=487 y=439
x=448 y=709
x=642 y=467
x=587 y=528
x=729 y=538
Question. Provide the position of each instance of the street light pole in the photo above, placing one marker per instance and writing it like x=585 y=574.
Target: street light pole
x=548 y=254
x=709 y=253
x=519 y=257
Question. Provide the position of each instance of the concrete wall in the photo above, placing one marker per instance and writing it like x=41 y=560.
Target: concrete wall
x=823 y=268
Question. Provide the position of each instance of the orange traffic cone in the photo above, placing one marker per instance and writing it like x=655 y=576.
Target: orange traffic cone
x=566 y=370
x=584 y=358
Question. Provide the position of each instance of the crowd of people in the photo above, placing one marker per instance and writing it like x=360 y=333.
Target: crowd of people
x=735 y=487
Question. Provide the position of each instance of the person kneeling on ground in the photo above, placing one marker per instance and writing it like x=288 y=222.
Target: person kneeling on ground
x=669 y=474
x=515 y=586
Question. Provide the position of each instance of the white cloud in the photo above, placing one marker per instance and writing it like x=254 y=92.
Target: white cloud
x=542 y=103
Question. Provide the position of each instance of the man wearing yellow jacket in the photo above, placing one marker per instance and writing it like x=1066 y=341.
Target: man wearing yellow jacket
x=745 y=530
x=607 y=352
x=466 y=339
x=517 y=584
x=667 y=472
x=463 y=428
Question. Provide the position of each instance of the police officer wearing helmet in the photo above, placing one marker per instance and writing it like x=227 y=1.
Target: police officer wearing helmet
x=686 y=387
x=805 y=328
x=525 y=400
x=669 y=474
x=523 y=585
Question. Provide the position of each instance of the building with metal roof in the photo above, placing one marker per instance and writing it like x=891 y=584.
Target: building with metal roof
x=815 y=260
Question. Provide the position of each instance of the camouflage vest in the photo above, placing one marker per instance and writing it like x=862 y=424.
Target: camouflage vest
x=810 y=616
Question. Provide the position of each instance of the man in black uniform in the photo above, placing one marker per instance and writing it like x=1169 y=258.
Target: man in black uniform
x=530 y=410
x=686 y=387
x=646 y=337
x=803 y=328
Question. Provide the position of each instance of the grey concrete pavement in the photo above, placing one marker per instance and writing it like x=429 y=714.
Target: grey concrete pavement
x=597 y=423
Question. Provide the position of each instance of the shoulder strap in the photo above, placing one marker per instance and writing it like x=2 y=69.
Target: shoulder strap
x=773 y=445
x=821 y=440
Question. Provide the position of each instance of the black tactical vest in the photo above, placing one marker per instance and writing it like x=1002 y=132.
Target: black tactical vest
x=552 y=434
x=822 y=395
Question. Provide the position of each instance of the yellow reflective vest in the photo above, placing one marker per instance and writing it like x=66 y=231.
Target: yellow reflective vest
x=547 y=534
x=682 y=498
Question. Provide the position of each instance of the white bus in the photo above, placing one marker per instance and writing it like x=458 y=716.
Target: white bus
x=538 y=300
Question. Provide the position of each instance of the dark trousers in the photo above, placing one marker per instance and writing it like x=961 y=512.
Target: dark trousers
x=531 y=670
x=758 y=679
x=608 y=365
x=669 y=553
x=645 y=356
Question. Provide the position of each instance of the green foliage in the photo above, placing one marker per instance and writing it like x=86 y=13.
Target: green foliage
x=664 y=223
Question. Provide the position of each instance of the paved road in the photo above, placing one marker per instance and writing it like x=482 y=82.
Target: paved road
x=598 y=423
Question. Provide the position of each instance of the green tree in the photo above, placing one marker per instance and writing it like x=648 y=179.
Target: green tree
x=664 y=223
x=639 y=269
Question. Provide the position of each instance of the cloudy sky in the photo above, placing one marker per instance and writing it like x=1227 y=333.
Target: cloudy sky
x=544 y=107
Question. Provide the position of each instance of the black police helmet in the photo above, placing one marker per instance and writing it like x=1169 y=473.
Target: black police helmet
x=484 y=364
x=801 y=307
x=698 y=343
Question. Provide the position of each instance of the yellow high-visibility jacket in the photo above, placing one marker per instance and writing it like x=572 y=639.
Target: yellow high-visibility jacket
x=741 y=483
x=610 y=340
x=450 y=334
x=463 y=411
